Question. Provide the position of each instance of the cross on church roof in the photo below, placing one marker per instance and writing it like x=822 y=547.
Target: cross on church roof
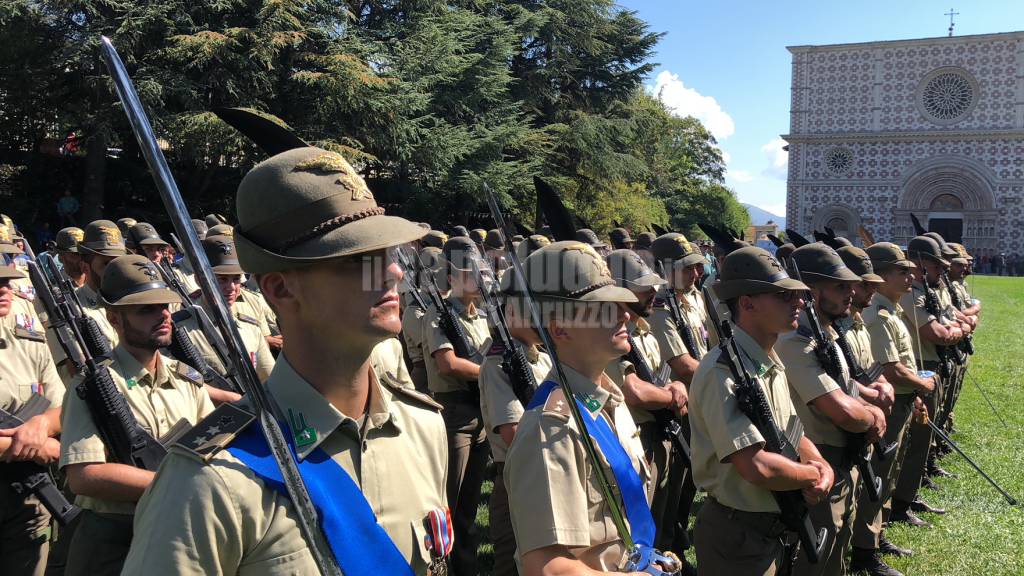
x=951 y=14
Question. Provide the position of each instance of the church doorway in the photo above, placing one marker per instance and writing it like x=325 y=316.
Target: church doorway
x=946 y=217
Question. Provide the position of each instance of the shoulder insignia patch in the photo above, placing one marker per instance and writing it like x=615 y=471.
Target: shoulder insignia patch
x=25 y=334
x=189 y=373
x=216 y=431
x=556 y=404
x=411 y=394
x=247 y=319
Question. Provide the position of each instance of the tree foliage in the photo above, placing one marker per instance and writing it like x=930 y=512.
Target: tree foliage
x=431 y=99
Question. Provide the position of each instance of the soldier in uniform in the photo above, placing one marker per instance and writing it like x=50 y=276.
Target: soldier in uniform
x=101 y=243
x=892 y=347
x=67 y=254
x=220 y=252
x=830 y=406
x=959 y=268
x=413 y=316
x=124 y=226
x=642 y=396
x=588 y=236
x=307 y=226
x=453 y=382
x=868 y=523
x=24 y=292
x=160 y=393
x=643 y=247
x=929 y=333
x=561 y=522
x=621 y=239
x=738 y=529
x=683 y=343
x=26 y=369
x=501 y=411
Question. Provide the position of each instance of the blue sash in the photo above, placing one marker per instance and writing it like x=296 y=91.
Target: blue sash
x=360 y=544
x=641 y=523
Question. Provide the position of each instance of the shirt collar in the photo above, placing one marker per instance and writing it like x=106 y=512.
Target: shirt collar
x=763 y=362
x=310 y=417
x=462 y=310
x=594 y=396
x=136 y=374
x=641 y=327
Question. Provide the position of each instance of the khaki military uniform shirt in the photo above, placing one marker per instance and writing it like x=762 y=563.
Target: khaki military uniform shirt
x=255 y=345
x=719 y=428
x=553 y=494
x=413 y=322
x=93 y=307
x=663 y=325
x=961 y=290
x=249 y=308
x=186 y=279
x=498 y=404
x=219 y=518
x=157 y=401
x=478 y=335
x=890 y=339
x=808 y=381
x=389 y=363
x=915 y=315
x=26 y=368
x=650 y=350
x=858 y=338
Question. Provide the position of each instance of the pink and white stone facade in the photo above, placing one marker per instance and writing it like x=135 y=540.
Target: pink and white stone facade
x=933 y=127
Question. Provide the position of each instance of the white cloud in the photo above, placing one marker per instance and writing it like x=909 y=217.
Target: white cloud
x=683 y=101
x=778 y=159
x=740 y=175
x=726 y=157
x=777 y=209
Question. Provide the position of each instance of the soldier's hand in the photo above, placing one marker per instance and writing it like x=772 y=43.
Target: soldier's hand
x=27 y=440
x=886 y=396
x=920 y=411
x=814 y=493
x=680 y=398
x=275 y=342
x=877 y=430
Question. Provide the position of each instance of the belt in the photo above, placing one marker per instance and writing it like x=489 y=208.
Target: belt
x=768 y=524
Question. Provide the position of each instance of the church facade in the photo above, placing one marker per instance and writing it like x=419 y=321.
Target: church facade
x=933 y=127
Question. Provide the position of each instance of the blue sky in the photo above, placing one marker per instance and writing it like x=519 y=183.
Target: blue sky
x=726 y=63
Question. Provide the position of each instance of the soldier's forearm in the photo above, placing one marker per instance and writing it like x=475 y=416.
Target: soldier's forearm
x=109 y=481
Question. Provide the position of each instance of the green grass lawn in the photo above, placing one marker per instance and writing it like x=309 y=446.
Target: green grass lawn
x=981 y=534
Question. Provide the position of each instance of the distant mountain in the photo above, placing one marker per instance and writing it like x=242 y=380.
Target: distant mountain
x=760 y=216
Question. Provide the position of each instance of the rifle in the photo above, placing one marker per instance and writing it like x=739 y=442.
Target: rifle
x=27 y=477
x=967 y=344
x=641 y=558
x=754 y=404
x=58 y=316
x=827 y=352
x=667 y=422
x=685 y=332
x=447 y=318
x=268 y=415
x=513 y=360
x=411 y=276
x=947 y=355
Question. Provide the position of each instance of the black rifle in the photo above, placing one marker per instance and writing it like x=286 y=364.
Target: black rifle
x=949 y=356
x=59 y=319
x=411 y=277
x=27 y=477
x=670 y=426
x=684 y=329
x=754 y=404
x=513 y=361
x=967 y=344
x=827 y=353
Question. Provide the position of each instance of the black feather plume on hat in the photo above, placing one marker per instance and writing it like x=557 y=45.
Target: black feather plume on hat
x=775 y=240
x=659 y=230
x=269 y=136
x=918 y=228
x=796 y=238
x=558 y=217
